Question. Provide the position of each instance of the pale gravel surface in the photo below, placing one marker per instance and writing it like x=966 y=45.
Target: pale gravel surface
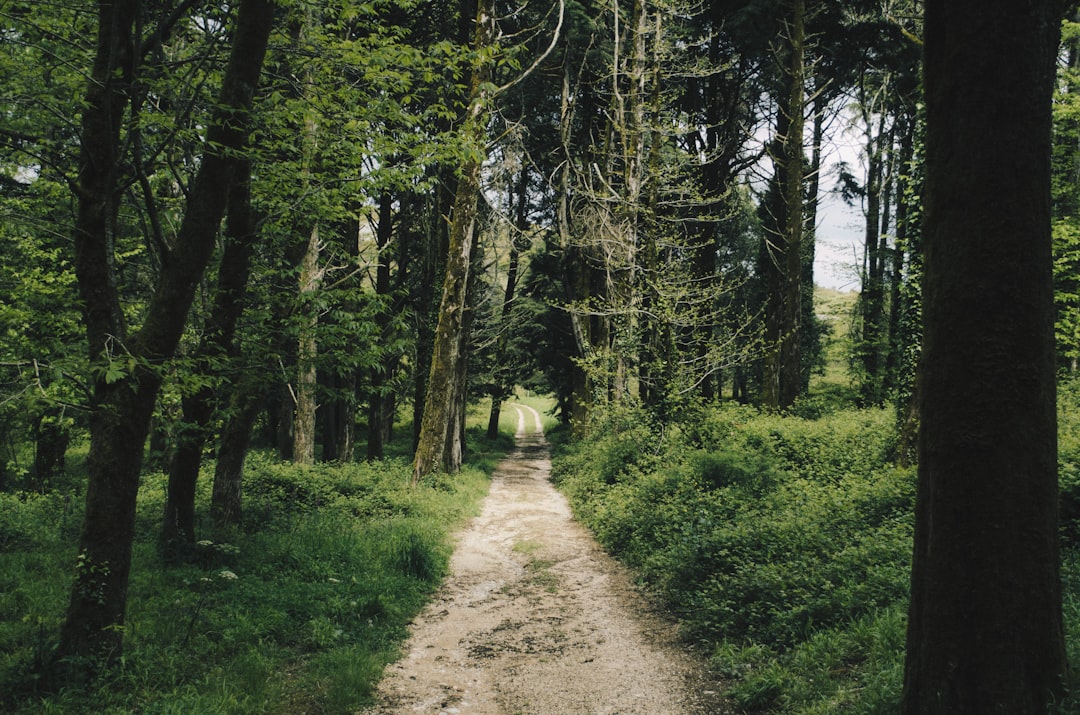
x=535 y=620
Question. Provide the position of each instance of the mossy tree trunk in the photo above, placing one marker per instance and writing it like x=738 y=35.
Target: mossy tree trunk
x=439 y=422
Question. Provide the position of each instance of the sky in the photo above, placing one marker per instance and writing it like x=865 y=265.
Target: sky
x=838 y=254
x=840 y=228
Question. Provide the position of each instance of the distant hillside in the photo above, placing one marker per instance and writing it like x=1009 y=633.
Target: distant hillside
x=835 y=308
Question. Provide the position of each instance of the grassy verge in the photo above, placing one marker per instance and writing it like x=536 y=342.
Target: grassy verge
x=782 y=544
x=297 y=611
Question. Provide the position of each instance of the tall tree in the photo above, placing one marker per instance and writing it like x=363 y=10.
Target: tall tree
x=124 y=397
x=216 y=344
x=985 y=628
x=783 y=251
x=438 y=428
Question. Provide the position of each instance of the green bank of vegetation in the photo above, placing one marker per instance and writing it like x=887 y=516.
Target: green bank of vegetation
x=782 y=543
x=296 y=609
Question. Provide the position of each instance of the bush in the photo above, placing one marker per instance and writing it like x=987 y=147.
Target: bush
x=299 y=610
x=762 y=533
x=1069 y=458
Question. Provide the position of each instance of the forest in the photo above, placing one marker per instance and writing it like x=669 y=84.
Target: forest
x=270 y=271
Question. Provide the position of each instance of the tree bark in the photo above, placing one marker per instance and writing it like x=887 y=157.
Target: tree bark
x=438 y=421
x=791 y=362
x=225 y=500
x=809 y=332
x=500 y=390
x=380 y=410
x=872 y=294
x=781 y=260
x=91 y=636
x=895 y=345
x=307 y=354
x=432 y=275
x=51 y=439
x=198 y=408
x=985 y=626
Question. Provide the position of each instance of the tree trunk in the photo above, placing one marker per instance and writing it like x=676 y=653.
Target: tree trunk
x=378 y=412
x=307 y=353
x=500 y=390
x=809 y=331
x=99 y=159
x=575 y=280
x=91 y=636
x=872 y=295
x=337 y=416
x=432 y=275
x=782 y=254
x=894 y=356
x=985 y=627
x=51 y=439
x=225 y=500
x=198 y=408
x=438 y=421
x=791 y=363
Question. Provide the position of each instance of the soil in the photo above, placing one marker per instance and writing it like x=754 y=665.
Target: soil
x=535 y=619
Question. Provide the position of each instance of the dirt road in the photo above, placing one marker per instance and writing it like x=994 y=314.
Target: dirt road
x=535 y=620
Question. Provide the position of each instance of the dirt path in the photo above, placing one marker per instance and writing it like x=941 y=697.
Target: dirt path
x=535 y=620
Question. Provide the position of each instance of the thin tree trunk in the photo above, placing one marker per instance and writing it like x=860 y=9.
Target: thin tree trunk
x=809 y=334
x=902 y=183
x=226 y=498
x=198 y=408
x=380 y=374
x=575 y=280
x=985 y=624
x=307 y=355
x=500 y=390
x=872 y=295
x=51 y=439
x=791 y=363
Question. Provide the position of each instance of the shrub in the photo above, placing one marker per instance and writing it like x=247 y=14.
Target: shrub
x=759 y=531
x=1069 y=458
x=297 y=611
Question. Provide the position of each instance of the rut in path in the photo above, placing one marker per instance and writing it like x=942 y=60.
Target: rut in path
x=535 y=620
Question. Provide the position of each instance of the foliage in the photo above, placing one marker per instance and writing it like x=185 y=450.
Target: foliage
x=779 y=542
x=299 y=609
x=1066 y=200
x=753 y=526
x=1069 y=458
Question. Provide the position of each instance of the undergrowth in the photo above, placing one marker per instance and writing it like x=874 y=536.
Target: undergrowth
x=298 y=610
x=782 y=544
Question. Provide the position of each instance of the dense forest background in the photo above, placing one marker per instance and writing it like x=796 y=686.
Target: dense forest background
x=328 y=231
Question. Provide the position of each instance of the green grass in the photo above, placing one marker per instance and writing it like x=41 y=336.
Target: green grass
x=299 y=610
x=782 y=544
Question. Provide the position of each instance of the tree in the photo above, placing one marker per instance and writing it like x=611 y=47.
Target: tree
x=129 y=369
x=438 y=429
x=985 y=627
x=783 y=245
